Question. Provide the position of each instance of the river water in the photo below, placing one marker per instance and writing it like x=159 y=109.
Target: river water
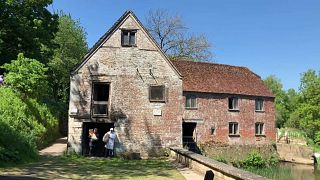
x=300 y=171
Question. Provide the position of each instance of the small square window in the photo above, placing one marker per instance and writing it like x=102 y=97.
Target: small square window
x=157 y=93
x=259 y=104
x=233 y=128
x=128 y=38
x=259 y=128
x=191 y=101
x=233 y=103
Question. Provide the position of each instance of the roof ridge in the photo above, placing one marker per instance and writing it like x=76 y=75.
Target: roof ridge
x=212 y=63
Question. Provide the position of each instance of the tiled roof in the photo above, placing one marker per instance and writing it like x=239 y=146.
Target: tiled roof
x=220 y=78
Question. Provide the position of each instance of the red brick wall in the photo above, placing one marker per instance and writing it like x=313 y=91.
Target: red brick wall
x=213 y=111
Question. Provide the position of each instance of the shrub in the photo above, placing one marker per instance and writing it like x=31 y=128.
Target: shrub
x=25 y=126
x=254 y=159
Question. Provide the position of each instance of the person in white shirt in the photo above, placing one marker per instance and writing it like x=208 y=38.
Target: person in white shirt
x=109 y=139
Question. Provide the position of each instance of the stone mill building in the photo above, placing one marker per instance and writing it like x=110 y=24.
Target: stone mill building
x=126 y=82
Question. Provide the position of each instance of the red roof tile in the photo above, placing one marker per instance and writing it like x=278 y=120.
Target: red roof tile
x=220 y=78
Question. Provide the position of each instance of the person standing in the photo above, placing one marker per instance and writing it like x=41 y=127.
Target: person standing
x=93 y=139
x=109 y=139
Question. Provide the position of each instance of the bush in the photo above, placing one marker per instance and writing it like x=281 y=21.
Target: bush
x=25 y=126
x=254 y=159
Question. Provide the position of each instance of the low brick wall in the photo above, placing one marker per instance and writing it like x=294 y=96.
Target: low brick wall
x=203 y=164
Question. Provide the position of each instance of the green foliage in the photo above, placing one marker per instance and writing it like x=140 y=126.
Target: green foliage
x=26 y=27
x=256 y=160
x=72 y=46
x=221 y=159
x=275 y=86
x=309 y=109
x=27 y=76
x=25 y=126
x=274 y=172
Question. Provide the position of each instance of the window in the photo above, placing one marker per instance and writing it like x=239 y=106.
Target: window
x=128 y=38
x=259 y=105
x=191 y=101
x=100 y=99
x=259 y=128
x=213 y=130
x=157 y=93
x=233 y=103
x=233 y=128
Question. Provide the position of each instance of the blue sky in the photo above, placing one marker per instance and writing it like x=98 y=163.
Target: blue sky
x=270 y=37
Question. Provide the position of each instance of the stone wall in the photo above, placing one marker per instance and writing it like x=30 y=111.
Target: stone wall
x=130 y=71
x=203 y=164
x=212 y=112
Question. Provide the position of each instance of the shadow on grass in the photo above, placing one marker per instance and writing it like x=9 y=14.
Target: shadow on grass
x=80 y=167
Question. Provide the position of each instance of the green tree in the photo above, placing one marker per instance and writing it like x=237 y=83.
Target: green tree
x=26 y=27
x=292 y=103
x=72 y=46
x=282 y=113
x=309 y=109
x=27 y=76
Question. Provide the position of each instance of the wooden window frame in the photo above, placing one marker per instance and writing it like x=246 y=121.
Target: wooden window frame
x=129 y=33
x=94 y=103
x=163 y=93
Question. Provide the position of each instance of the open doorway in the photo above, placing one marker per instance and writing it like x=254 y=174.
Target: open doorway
x=102 y=129
x=189 y=136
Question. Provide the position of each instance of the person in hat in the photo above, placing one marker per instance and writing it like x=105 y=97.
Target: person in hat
x=109 y=139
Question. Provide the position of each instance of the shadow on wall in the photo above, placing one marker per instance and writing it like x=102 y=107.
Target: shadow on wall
x=133 y=145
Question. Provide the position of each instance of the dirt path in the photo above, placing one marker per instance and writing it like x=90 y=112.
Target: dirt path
x=56 y=149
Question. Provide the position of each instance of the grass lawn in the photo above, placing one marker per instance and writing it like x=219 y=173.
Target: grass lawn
x=73 y=167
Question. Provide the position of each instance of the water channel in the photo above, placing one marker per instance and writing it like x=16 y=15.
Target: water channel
x=297 y=171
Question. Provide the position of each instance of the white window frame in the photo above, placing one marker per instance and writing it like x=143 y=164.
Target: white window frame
x=191 y=98
x=234 y=129
x=234 y=103
x=259 y=128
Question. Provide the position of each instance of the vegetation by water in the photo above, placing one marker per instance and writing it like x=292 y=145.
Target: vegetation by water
x=274 y=172
x=78 y=167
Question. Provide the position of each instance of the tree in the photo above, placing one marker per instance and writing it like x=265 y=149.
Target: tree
x=72 y=46
x=26 y=27
x=171 y=35
x=27 y=76
x=309 y=109
x=282 y=113
x=293 y=102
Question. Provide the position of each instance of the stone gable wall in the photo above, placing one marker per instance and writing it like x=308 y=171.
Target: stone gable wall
x=130 y=71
